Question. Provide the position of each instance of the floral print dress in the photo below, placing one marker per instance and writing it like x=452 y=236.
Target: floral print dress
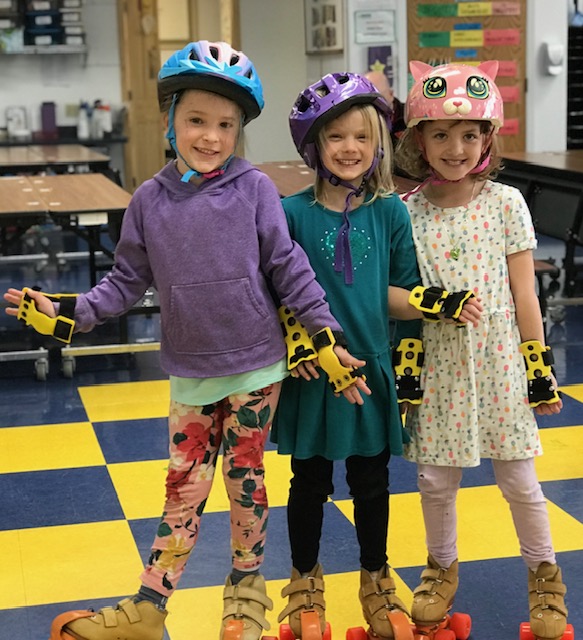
x=475 y=401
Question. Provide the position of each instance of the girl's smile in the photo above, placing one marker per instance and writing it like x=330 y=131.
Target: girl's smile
x=207 y=130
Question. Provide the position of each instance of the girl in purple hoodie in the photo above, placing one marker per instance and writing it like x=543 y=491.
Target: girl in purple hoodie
x=209 y=232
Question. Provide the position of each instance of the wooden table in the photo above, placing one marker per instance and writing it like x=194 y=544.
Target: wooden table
x=292 y=176
x=58 y=158
x=570 y=161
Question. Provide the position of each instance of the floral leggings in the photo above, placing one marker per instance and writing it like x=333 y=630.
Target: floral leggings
x=241 y=424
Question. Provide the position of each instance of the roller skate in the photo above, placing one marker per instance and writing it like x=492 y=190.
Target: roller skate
x=432 y=602
x=244 y=609
x=546 y=600
x=384 y=612
x=306 y=607
x=129 y=620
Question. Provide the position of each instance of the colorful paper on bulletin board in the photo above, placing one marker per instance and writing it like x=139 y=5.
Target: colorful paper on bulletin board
x=509 y=93
x=507 y=69
x=466 y=54
x=381 y=59
x=501 y=37
x=511 y=127
x=464 y=39
x=466 y=9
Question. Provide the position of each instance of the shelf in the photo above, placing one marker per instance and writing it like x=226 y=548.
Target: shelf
x=48 y=49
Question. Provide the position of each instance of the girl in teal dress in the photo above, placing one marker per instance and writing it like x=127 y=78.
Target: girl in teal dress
x=357 y=235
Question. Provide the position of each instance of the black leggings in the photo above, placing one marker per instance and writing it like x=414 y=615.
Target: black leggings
x=311 y=484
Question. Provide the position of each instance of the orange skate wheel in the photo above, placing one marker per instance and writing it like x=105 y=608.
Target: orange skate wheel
x=444 y=634
x=525 y=632
x=310 y=622
x=569 y=633
x=57 y=630
x=327 y=632
x=356 y=633
x=285 y=632
x=402 y=629
x=461 y=625
x=233 y=630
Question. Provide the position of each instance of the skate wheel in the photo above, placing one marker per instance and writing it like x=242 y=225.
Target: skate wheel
x=285 y=632
x=569 y=633
x=444 y=634
x=327 y=632
x=356 y=633
x=461 y=625
x=233 y=630
x=58 y=632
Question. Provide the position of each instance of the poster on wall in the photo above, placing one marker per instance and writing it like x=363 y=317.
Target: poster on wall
x=374 y=27
x=381 y=59
x=324 y=26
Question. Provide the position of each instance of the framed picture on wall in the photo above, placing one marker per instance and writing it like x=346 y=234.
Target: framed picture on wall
x=324 y=24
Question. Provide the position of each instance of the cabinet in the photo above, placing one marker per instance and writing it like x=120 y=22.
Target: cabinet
x=575 y=89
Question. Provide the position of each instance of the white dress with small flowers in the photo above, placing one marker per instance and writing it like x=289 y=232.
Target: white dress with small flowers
x=475 y=402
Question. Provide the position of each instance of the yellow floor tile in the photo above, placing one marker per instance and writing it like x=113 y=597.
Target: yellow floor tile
x=574 y=390
x=55 y=446
x=562 y=457
x=73 y=562
x=140 y=486
x=12 y=588
x=126 y=400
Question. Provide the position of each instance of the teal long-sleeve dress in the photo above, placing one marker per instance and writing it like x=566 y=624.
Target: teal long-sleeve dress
x=310 y=420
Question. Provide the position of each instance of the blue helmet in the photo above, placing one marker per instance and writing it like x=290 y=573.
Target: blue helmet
x=215 y=67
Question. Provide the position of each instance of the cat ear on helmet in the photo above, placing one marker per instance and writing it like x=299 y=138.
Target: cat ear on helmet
x=490 y=68
x=419 y=69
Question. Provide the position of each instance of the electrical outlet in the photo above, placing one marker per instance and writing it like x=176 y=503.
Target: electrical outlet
x=71 y=110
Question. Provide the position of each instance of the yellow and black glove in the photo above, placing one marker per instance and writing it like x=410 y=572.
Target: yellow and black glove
x=538 y=360
x=298 y=343
x=60 y=327
x=407 y=363
x=434 y=300
x=339 y=376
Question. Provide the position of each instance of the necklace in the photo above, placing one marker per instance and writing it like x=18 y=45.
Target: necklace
x=455 y=248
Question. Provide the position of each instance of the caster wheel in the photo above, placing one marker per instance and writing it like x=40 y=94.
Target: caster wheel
x=41 y=369
x=461 y=625
x=68 y=365
x=356 y=633
x=557 y=314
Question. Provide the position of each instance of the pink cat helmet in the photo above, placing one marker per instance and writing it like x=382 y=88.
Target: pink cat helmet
x=454 y=92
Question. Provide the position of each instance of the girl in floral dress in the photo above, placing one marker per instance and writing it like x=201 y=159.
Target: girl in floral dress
x=477 y=235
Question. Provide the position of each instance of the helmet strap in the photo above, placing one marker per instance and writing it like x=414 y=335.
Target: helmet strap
x=342 y=251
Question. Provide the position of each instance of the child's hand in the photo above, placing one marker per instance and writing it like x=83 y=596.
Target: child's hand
x=550 y=409
x=353 y=393
x=43 y=304
x=471 y=312
x=306 y=370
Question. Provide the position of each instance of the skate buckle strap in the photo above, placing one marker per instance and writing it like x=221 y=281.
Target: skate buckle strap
x=432 y=582
x=546 y=588
x=311 y=588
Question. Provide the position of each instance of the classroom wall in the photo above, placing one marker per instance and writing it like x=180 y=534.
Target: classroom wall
x=272 y=33
x=65 y=79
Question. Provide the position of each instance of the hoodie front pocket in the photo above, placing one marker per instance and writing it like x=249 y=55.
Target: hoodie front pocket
x=216 y=317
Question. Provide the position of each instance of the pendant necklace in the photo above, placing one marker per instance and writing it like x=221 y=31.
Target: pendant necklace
x=456 y=250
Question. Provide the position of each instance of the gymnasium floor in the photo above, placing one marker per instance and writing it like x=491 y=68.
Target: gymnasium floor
x=82 y=466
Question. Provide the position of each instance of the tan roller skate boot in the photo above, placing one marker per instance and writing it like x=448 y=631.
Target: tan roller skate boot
x=433 y=598
x=546 y=599
x=305 y=594
x=129 y=620
x=382 y=609
x=246 y=602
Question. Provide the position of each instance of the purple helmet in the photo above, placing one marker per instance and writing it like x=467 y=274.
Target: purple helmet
x=325 y=100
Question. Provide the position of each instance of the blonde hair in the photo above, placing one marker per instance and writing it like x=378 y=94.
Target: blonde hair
x=409 y=157
x=380 y=183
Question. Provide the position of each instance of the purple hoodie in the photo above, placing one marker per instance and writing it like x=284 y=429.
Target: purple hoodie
x=210 y=252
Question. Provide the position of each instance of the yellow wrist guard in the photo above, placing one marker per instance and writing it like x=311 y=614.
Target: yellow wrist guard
x=434 y=300
x=60 y=327
x=298 y=343
x=538 y=360
x=407 y=363
x=339 y=376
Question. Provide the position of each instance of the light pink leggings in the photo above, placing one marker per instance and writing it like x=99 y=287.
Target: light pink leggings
x=520 y=487
x=240 y=423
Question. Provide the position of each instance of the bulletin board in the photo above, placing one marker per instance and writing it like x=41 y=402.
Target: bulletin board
x=442 y=31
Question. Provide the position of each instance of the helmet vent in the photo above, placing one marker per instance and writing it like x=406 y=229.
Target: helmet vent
x=322 y=91
x=214 y=52
x=303 y=104
x=342 y=79
x=234 y=60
